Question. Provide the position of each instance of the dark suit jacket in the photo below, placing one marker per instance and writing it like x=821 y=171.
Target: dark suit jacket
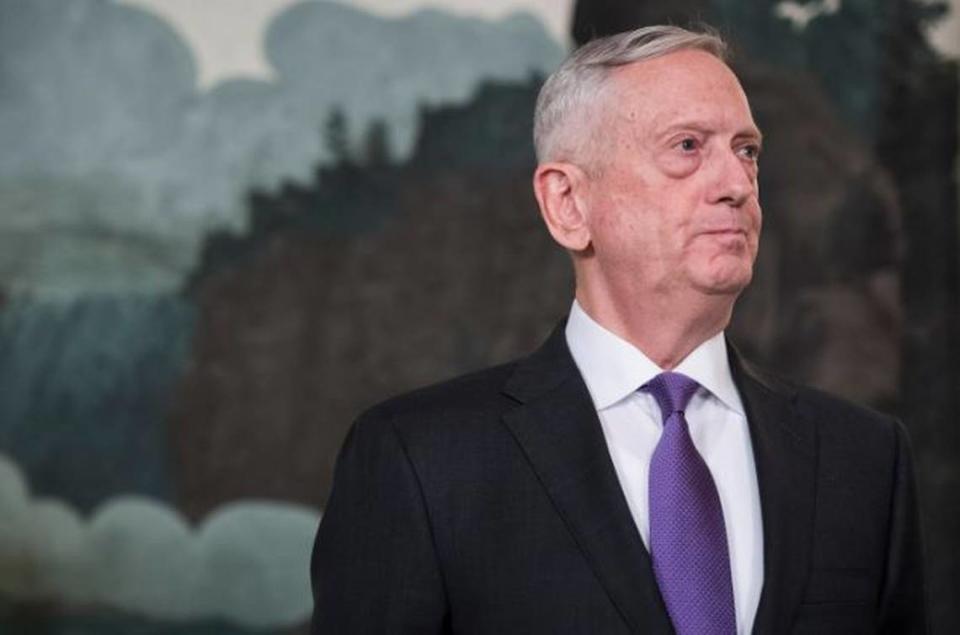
x=489 y=504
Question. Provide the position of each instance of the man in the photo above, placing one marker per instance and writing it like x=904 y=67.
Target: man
x=634 y=475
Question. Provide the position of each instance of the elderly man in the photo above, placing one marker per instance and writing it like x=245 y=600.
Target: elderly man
x=634 y=475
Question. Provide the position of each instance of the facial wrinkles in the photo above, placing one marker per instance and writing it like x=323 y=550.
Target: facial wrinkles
x=653 y=202
x=673 y=227
x=717 y=163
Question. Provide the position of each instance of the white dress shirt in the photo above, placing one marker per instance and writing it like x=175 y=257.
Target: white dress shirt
x=613 y=370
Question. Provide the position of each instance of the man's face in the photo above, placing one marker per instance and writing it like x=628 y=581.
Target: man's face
x=673 y=201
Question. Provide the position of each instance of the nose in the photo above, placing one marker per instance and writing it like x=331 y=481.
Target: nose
x=735 y=179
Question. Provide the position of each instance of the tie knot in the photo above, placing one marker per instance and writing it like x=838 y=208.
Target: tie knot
x=672 y=392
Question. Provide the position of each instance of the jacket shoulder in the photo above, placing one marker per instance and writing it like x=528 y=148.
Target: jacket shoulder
x=864 y=432
x=836 y=419
x=816 y=403
x=464 y=397
x=841 y=412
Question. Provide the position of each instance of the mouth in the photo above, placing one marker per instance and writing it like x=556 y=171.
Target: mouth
x=725 y=231
x=727 y=238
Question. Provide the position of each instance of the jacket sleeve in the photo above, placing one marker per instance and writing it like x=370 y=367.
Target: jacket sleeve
x=903 y=598
x=374 y=568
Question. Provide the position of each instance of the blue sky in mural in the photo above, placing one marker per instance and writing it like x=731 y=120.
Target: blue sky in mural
x=123 y=165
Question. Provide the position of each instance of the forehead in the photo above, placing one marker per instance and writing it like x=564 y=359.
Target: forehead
x=684 y=85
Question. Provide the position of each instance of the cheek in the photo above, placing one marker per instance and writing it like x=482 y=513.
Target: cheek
x=624 y=234
x=627 y=239
x=755 y=215
x=636 y=217
x=625 y=211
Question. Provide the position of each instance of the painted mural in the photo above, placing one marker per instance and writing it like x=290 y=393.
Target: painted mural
x=206 y=273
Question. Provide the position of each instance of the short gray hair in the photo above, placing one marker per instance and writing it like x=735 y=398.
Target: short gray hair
x=584 y=72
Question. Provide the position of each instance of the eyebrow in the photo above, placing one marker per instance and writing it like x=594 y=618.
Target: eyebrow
x=750 y=133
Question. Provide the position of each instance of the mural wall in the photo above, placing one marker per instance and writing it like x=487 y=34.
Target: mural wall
x=205 y=277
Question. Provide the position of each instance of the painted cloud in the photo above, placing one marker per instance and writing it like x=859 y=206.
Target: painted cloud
x=247 y=562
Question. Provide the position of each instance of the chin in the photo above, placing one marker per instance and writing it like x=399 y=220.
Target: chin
x=720 y=272
x=730 y=281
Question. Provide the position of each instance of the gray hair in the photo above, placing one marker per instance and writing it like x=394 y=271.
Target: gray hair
x=583 y=74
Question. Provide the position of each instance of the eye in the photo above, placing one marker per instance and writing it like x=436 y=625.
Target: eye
x=751 y=152
x=688 y=144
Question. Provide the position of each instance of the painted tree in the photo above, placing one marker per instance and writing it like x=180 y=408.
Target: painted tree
x=336 y=136
x=376 y=144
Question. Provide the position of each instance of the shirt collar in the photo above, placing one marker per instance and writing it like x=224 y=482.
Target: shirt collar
x=613 y=368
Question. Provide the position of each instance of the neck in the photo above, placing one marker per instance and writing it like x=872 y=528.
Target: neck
x=665 y=330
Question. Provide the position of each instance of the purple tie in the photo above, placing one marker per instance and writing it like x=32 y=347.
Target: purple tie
x=688 y=541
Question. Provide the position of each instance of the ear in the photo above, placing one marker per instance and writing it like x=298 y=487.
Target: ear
x=559 y=191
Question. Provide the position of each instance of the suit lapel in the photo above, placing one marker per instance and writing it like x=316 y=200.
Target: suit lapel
x=784 y=450
x=556 y=424
x=557 y=427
